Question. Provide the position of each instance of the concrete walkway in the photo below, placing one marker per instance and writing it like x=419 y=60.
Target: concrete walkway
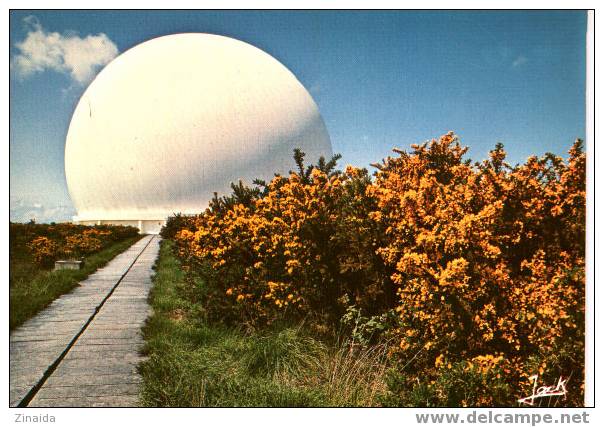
x=83 y=349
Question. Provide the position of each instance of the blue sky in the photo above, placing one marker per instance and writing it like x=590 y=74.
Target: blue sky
x=380 y=79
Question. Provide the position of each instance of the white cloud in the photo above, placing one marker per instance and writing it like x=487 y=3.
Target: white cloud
x=24 y=211
x=519 y=61
x=80 y=57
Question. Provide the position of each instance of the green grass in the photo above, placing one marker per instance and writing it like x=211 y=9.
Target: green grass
x=32 y=289
x=193 y=363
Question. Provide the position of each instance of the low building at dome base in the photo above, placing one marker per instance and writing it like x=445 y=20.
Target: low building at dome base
x=146 y=226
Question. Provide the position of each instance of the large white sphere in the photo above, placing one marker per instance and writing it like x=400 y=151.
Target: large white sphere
x=178 y=117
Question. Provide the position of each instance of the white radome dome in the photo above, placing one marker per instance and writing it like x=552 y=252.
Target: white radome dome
x=174 y=119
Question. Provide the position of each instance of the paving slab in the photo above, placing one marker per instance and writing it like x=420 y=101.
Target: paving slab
x=87 y=391
x=89 y=402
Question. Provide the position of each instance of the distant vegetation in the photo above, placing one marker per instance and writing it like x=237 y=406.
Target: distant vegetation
x=34 y=249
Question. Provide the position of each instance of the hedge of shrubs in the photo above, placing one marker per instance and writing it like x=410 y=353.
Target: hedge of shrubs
x=473 y=272
x=45 y=243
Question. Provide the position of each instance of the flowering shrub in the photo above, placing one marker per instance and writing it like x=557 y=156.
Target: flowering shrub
x=467 y=383
x=300 y=247
x=488 y=258
x=176 y=223
x=43 y=250
x=482 y=263
x=46 y=243
x=82 y=244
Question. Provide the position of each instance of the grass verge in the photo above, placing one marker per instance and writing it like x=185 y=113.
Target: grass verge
x=33 y=289
x=192 y=363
